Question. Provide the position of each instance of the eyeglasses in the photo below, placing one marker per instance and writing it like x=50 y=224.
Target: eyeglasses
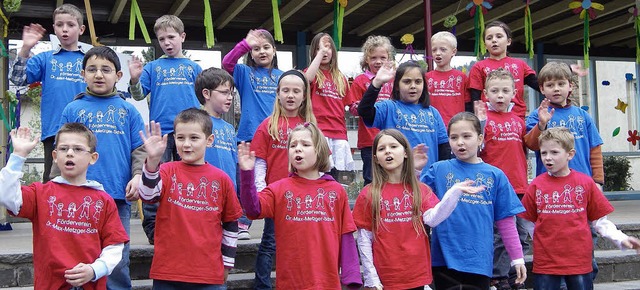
x=105 y=70
x=74 y=149
x=226 y=93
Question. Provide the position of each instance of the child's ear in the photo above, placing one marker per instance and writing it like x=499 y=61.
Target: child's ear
x=206 y=94
x=119 y=75
x=572 y=153
x=94 y=158
x=210 y=140
x=82 y=27
x=454 y=50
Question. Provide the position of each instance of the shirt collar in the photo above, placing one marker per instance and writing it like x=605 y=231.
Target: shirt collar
x=89 y=183
x=81 y=49
x=490 y=108
x=369 y=74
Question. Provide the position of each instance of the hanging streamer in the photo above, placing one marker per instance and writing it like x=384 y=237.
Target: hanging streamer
x=477 y=9
x=635 y=18
x=528 y=30
x=136 y=14
x=5 y=24
x=583 y=8
x=277 y=25
x=208 y=25
x=338 y=20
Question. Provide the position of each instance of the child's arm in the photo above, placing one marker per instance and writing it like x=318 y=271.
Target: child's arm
x=531 y=80
x=138 y=156
x=507 y=229
x=544 y=115
x=231 y=58
x=248 y=194
x=369 y=272
x=366 y=107
x=260 y=173
x=434 y=216
x=314 y=66
x=229 y=245
x=597 y=165
x=10 y=190
x=103 y=266
x=154 y=144
x=136 y=68
x=607 y=229
x=349 y=263
x=31 y=34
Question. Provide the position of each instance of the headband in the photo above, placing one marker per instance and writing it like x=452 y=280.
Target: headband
x=294 y=72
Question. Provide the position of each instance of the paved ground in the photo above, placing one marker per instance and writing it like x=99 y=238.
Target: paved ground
x=19 y=239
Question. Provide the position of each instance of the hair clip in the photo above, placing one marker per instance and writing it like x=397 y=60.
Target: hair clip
x=306 y=124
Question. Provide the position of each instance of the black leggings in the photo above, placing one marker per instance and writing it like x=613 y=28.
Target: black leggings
x=445 y=279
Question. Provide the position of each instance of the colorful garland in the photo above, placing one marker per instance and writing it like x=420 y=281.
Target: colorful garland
x=528 y=30
x=277 y=24
x=338 y=20
x=208 y=25
x=636 y=25
x=133 y=15
x=477 y=9
x=586 y=7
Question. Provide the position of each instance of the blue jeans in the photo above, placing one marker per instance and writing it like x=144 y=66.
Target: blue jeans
x=553 y=282
x=175 y=285
x=120 y=277
x=266 y=256
x=366 y=155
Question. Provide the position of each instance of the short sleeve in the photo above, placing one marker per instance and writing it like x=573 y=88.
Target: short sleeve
x=429 y=198
x=532 y=119
x=348 y=226
x=112 y=232
x=261 y=140
x=29 y=208
x=442 y=129
x=362 y=215
x=529 y=204
x=598 y=205
x=267 y=203
x=506 y=202
x=476 y=77
x=231 y=209
x=137 y=126
x=36 y=67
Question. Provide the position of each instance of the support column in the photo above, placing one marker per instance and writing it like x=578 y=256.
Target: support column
x=427 y=34
x=301 y=50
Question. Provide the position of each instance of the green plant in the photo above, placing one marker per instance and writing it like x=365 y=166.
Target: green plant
x=353 y=189
x=617 y=173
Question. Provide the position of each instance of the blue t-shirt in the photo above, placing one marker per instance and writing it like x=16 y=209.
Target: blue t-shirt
x=257 y=89
x=224 y=152
x=171 y=82
x=420 y=125
x=61 y=81
x=116 y=124
x=584 y=130
x=464 y=241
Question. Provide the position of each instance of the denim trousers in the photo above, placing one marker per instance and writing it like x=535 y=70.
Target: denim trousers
x=266 y=256
x=553 y=282
x=120 y=278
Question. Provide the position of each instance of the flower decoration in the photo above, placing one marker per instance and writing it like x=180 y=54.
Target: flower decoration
x=622 y=106
x=407 y=39
x=338 y=20
x=474 y=7
x=450 y=23
x=583 y=8
x=616 y=131
x=33 y=94
x=633 y=137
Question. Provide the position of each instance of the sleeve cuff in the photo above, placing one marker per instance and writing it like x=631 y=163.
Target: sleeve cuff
x=99 y=270
x=15 y=162
x=517 y=262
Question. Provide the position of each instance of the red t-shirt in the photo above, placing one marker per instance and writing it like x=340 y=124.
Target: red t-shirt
x=561 y=208
x=275 y=153
x=356 y=91
x=518 y=68
x=310 y=217
x=194 y=202
x=401 y=256
x=448 y=92
x=328 y=107
x=71 y=225
x=504 y=147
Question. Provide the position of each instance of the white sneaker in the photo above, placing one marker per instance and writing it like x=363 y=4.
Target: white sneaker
x=244 y=235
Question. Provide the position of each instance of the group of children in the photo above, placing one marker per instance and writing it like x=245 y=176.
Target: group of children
x=438 y=184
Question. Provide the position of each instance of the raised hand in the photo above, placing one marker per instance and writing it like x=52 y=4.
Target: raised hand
x=544 y=114
x=480 y=109
x=246 y=157
x=420 y=157
x=154 y=144
x=385 y=74
x=253 y=38
x=22 y=141
x=135 y=69
x=31 y=34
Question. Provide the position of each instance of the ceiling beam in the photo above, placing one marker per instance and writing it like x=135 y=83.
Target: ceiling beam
x=178 y=6
x=116 y=11
x=496 y=13
x=594 y=30
x=437 y=17
x=291 y=8
x=617 y=37
x=385 y=17
x=327 y=20
x=574 y=21
x=228 y=14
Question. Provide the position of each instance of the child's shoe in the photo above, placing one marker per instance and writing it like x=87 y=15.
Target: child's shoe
x=243 y=234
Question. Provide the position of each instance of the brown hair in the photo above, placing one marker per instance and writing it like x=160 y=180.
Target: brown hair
x=562 y=135
x=323 y=163
x=79 y=129
x=168 y=21
x=338 y=78
x=211 y=79
x=554 y=71
x=373 y=42
x=71 y=10
x=198 y=116
x=305 y=111
x=499 y=74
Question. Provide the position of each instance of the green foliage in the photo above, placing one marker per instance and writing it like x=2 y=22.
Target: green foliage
x=353 y=189
x=617 y=173
x=12 y=6
x=31 y=176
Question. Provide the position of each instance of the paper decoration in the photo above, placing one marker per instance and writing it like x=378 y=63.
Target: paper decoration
x=450 y=23
x=616 y=131
x=605 y=83
x=585 y=108
x=633 y=137
x=528 y=30
x=277 y=24
x=635 y=19
x=628 y=76
x=583 y=8
x=208 y=25
x=407 y=40
x=338 y=20
x=622 y=106
x=133 y=15
x=477 y=9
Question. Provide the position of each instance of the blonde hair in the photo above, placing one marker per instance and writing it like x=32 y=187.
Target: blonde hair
x=71 y=10
x=338 y=78
x=373 y=42
x=168 y=21
x=380 y=177
x=446 y=36
x=562 y=135
x=323 y=164
x=305 y=111
x=499 y=74
x=555 y=71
